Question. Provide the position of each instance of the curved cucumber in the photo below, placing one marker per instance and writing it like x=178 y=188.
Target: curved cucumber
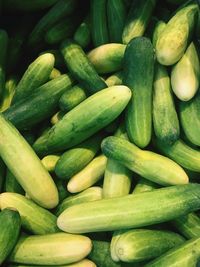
x=84 y=120
x=139 y=78
x=3 y=56
x=11 y=184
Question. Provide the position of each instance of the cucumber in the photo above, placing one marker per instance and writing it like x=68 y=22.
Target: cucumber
x=8 y=93
x=57 y=117
x=138 y=19
x=185 y=74
x=152 y=166
x=62 y=191
x=173 y=40
x=115 y=79
x=75 y=159
x=10 y=224
x=80 y=66
x=88 y=176
x=140 y=245
x=54 y=74
x=116 y=12
x=33 y=177
x=36 y=75
x=165 y=119
x=3 y=49
x=184 y=155
x=41 y=104
x=132 y=211
x=184 y=255
x=41 y=249
x=60 y=10
x=84 y=120
x=31 y=5
x=99 y=27
x=11 y=184
x=107 y=58
x=82 y=35
x=189 y=111
x=34 y=219
x=144 y=185
x=139 y=78
x=72 y=97
x=2 y=174
x=59 y=60
x=90 y=194
x=159 y=28
x=50 y=161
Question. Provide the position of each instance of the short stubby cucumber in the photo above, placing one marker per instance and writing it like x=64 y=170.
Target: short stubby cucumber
x=84 y=120
x=50 y=161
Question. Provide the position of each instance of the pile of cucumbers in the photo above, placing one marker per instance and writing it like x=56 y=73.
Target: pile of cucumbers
x=99 y=133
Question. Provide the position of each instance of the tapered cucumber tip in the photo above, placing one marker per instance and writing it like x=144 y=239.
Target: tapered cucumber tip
x=72 y=186
x=48 y=58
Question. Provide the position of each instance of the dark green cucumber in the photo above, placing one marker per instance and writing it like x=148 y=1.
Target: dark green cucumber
x=99 y=27
x=2 y=174
x=31 y=5
x=82 y=35
x=3 y=56
x=81 y=68
x=41 y=104
x=84 y=120
x=165 y=119
x=132 y=211
x=12 y=185
x=10 y=224
x=62 y=190
x=139 y=78
x=138 y=19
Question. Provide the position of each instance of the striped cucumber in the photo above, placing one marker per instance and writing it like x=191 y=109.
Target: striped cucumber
x=31 y=5
x=99 y=27
x=82 y=35
x=84 y=120
x=34 y=218
x=80 y=66
x=115 y=79
x=11 y=184
x=40 y=105
x=159 y=28
x=139 y=78
x=33 y=177
x=36 y=75
x=132 y=211
x=8 y=93
x=50 y=161
x=107 y=58
x=90 y=194
x=88 y=176
x=10 y=224
x=41 y=250
x=165 y=119
x=185 y=74
x=138 y=19
x=3 y=49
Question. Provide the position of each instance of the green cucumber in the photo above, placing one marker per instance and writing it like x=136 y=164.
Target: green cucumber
x=99 y=27
x=35 y=219
x=132 y=211
x=3 y=49
x=75 y=159
x=185 y=74
x=138 y=19
x=57 y=117
x=140 y=245
x=50 y=161
x=144 y=185
x=11 y=184
x=41 y=104
x=54 y=74
x=72 y=97
x=189 y=111
x=59 y=60
x=2 y=174
x=10 y=224
x=159 y=28
x=115 y=79
x=62 y=191
x=184 y=155
x=88 y=176
x=173 y=40
x=148 y=164
x=8 y=93
x=82 y=35
x=165 y=119
x=84 y=120
x=36 y=75
x=107 y=58
x=80 y=66
x=31 y=5
x=116 y=12
x=90 y=194
x=41 y=250
x=33 y=177
x=139 y=78
x=60 y=10
x=185 y=255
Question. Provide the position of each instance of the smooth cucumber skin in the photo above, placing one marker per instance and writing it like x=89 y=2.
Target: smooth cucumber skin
x=3 y=56
x=165 y=119
x=34 y=218
x=84 y=120
x=81 y=68
x=159 y=27
x=138 y=19
x=49 y=162
x=11 y=184
x=33 y=177
x=82 y=35
x=115 y=79
x=152 y=166
x=144 y=185
x=139 y=78
x=10 y=224
x=173 y=41
x=40 y=105
x=132 y=211
x=40 y=249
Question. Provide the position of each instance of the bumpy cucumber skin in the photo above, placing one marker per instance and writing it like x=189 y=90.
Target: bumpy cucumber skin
x=132 y=211
x=3 y=49
x=139 y=78
x=10 y=224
